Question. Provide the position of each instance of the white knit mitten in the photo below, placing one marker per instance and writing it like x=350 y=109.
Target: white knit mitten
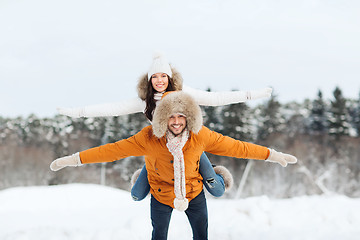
x=68 y=161
x=282 y=158
x=262 y=93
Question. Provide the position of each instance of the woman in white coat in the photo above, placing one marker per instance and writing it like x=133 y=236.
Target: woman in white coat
x=160 y=78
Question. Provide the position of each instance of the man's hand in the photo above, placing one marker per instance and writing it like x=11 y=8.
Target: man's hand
x=282 y=158
x=68 y=161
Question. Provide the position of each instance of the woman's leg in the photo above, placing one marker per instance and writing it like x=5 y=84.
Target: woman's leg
x=213 y=182
x=141 y=186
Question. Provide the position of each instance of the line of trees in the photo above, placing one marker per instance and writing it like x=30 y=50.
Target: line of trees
x=336 y=117
x=322 y=133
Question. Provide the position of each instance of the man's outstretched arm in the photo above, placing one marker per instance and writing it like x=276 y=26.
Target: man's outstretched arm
x=219 y=144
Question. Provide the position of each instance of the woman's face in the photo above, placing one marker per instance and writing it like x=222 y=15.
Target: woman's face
x=160 y=81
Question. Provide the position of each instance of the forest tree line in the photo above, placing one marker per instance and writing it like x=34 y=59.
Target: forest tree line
x=323 y=133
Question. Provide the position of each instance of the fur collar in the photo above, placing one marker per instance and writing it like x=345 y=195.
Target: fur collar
x=176 y=102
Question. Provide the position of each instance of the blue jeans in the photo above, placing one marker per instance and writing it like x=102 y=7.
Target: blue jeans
x=213 y=182
x=196 y=213
x=141 y=187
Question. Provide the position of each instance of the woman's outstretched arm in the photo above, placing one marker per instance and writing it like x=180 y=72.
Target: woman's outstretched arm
x=206 y=98
x=105 y=110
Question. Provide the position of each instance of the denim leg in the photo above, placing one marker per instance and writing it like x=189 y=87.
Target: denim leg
x=213 y=182
x=160 y=219
x=141 y=187
x=198 y=217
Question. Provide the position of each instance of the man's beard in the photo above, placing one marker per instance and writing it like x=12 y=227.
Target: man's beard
x=178 y=133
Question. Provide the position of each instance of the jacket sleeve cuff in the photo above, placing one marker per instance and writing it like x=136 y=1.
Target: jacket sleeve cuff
x=78 y=160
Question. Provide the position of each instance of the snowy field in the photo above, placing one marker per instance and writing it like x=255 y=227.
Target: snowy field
x=83 y=212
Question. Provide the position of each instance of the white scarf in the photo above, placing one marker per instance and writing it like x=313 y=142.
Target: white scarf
x=175 y=145
x=158 y=96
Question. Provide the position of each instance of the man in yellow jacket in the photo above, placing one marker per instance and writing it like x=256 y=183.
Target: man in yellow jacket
x=172 y=147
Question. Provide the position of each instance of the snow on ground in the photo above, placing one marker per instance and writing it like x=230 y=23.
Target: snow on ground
x=85 y=211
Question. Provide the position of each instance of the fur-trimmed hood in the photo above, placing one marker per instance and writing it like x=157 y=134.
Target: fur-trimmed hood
x=176 y=102
x=143 y=81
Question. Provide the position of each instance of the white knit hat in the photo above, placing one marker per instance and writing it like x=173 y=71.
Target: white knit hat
x=159 y=65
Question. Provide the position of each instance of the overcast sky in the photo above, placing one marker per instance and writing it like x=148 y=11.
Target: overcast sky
x=79 y=52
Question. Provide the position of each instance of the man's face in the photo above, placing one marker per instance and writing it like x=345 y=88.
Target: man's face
x=177 y=124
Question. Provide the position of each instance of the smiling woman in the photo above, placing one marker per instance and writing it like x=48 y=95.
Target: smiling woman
x=160 y=81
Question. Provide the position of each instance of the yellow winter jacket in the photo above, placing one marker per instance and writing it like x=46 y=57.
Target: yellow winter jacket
x=159 y=161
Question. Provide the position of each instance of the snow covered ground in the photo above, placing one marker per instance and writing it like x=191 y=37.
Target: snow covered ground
x=83 y=212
